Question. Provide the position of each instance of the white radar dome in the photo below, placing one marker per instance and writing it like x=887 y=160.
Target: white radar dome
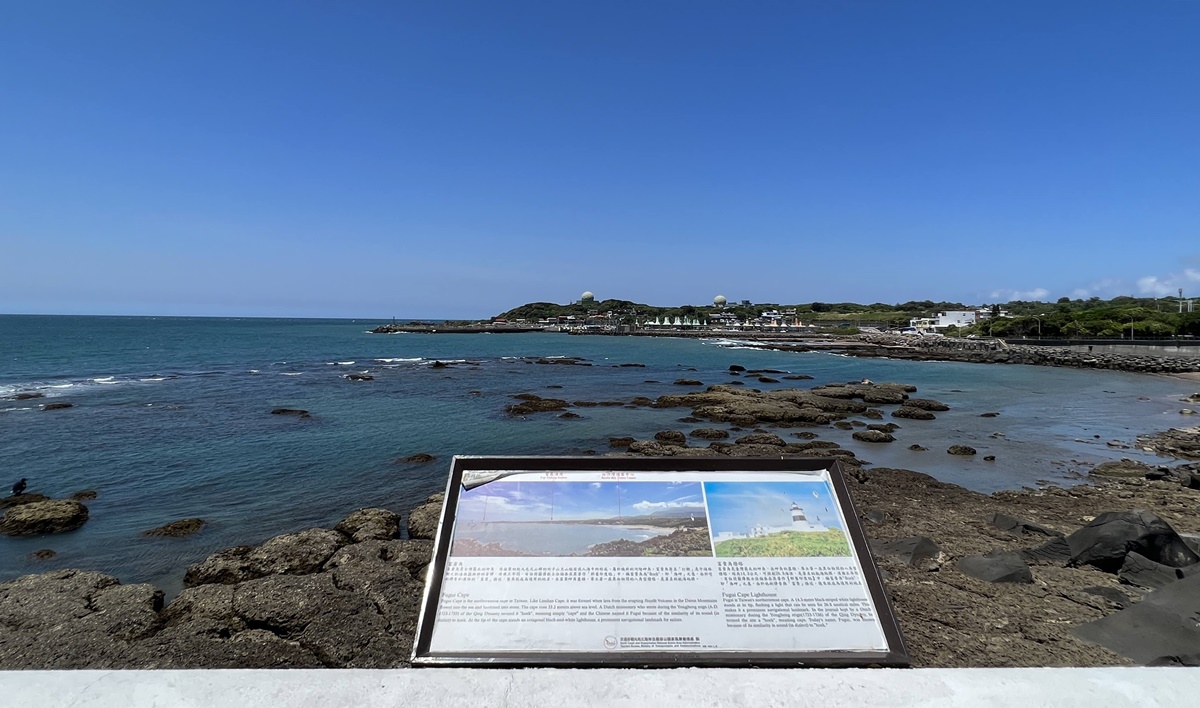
x=719 y=300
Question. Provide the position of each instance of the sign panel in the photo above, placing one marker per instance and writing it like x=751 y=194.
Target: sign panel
x=627 y=561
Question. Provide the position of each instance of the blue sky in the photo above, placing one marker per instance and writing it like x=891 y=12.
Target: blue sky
x=558 y=501
x=736 y=507
x=456 y=159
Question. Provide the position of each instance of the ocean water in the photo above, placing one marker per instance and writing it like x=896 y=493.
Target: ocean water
x=172 y=420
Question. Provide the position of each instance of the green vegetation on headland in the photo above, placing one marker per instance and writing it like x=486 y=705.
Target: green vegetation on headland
x=1119 y=317
x=787 y=544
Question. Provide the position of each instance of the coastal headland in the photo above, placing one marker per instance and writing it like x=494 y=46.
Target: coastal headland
x=1039 y=577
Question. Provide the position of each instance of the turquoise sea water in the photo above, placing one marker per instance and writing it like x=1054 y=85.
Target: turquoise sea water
x=172 y=420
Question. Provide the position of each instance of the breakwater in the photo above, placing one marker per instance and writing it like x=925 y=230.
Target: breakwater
x=992 y=351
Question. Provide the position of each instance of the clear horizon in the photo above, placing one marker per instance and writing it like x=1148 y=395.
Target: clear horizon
x=361 y=161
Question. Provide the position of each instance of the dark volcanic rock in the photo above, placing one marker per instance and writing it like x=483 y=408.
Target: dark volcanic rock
x=881 y=396
x=1013 y=525
x=988 y=415
x=423 y=521
x=183 y=527
x=917 y=448
x=1124 y=467
x=54 y=516
x=797 y=377
x=736 y=367
x=1144 y=573
x=43 y=554
x=1113 y=595
x=996 y=567
x=21 y=499
x=918 y=551
x=537 y=405
x=291 y=411
x=926 y=404
x=370 y=525
x=420 y=457
x=709 y=433
x=873 y=436
x=342 y=629
x=1176 y=442
x=290 y=554
x=359 y=377
x=568 y=415
x=1105 y=541
x=620 y=442
x=1056 y=551
x=912 y=413
x=961 y=450
x=85 y=495
x=1163 y=624
x=28 y=395
x=671 y=437
x=688 y=382
x=767 y=379
x=74 y=619
x=761 y=439
x=57 y=406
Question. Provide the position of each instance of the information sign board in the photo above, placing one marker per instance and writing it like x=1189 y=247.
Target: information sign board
x=652 y=562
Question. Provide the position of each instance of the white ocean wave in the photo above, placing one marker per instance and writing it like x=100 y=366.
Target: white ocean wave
x=290 y=373
x=154 y=378
x=398 y=360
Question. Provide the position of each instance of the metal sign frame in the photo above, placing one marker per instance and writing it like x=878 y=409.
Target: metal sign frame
x=423 y=655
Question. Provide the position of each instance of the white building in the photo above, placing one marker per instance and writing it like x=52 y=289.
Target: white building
x=950 y=318
x=800 y=522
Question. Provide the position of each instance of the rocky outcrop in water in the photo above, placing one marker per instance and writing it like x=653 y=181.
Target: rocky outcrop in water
x=43 y=517
x=175 y=529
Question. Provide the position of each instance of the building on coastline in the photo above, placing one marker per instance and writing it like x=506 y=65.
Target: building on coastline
x=944 y=320
x=800 y=523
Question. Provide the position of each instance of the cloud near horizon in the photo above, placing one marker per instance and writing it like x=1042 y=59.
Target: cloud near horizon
x=1010 y=295
x=1169 y=284
x=658 y=506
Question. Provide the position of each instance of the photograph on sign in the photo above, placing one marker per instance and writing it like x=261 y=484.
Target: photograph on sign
x=567 y=519
x=602 y=562
x=765 y=520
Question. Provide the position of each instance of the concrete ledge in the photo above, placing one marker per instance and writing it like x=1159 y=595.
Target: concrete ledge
x=567 y=688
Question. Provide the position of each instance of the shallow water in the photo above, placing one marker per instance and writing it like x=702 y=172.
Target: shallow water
x=172 y=420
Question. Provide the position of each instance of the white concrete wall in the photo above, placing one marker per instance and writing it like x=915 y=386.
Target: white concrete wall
x=561 y=688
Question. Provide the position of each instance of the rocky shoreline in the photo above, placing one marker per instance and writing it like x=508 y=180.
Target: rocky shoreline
x=916 y=348
x=991 y=351
x=1050 y=577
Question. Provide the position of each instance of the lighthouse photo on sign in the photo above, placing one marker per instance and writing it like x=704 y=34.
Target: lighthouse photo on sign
x=775 y=519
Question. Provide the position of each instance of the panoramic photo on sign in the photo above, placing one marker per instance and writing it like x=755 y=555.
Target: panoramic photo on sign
x=632 y=564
